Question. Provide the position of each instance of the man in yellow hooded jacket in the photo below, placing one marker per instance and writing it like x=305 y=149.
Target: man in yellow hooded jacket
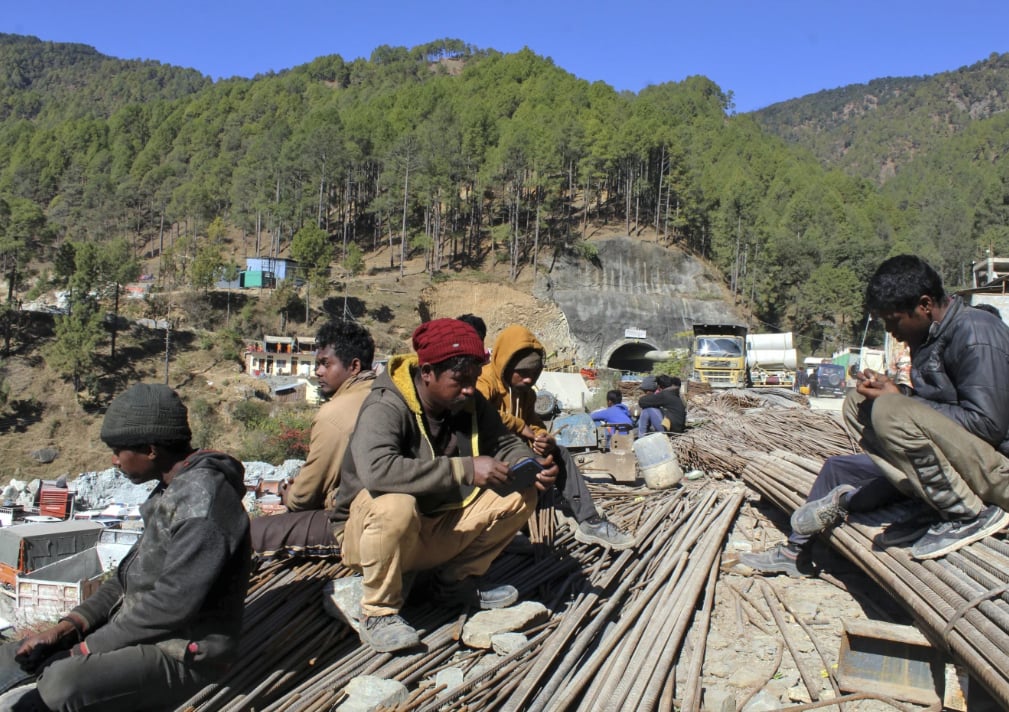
x=507 y=383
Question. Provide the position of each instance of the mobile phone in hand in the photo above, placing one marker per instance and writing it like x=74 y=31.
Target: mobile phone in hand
x=521 y=475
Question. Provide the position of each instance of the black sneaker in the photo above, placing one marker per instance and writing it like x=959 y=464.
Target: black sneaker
x=820 y=514
x=387 y=634
x=596 y=530
x=945 y=537
x=906 y=531
x=470 y=593
x=781 y=559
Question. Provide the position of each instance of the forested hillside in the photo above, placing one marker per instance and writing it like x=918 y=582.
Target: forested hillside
x=938 y=144
x=457 y=154
x=874 y=130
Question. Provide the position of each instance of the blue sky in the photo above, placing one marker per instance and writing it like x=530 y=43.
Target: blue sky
x=762 y=52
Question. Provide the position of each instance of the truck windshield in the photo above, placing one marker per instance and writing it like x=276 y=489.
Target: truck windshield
x=718 y=346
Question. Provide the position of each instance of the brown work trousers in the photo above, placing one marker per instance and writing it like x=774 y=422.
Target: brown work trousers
x=386 y=536
x=928 y=455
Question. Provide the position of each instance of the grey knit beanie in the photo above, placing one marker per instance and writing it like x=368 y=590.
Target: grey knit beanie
x=145 y=414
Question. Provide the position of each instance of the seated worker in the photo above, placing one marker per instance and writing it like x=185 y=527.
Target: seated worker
x=507 y=383
x=615 y=413
x=168 y=622
x=944 y=441
x=417 y=488
x=662 y=409
x=477 y=323
x=343 y=366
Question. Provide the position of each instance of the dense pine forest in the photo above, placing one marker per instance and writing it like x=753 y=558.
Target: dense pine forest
x=463 y=155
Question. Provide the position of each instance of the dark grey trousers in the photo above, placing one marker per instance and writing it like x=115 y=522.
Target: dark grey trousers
x=572 y=486
x=135 y=678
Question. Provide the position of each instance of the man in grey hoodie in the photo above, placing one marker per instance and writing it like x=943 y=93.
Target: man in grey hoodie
x=168 y=622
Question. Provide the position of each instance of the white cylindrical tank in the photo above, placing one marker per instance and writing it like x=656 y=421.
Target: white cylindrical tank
x=659 y=355
x=758 y=342
x=772 y=358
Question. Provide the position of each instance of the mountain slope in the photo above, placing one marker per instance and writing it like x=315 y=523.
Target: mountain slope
x=49 y=82
x=873 y=130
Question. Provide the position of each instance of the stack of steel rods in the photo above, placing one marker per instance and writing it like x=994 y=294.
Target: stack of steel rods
x=959 y=600
x=722 y=445
x=294 y=657
x=638 y=672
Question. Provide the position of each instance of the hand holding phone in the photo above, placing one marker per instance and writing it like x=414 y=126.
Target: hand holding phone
x=521 y=475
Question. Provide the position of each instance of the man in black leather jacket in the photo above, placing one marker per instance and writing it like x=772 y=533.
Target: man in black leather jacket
x=943 y=441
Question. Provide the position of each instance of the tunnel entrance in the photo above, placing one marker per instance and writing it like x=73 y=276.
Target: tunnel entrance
x=629 y=355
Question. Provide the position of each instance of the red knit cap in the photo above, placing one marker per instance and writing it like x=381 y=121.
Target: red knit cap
x=441 y=339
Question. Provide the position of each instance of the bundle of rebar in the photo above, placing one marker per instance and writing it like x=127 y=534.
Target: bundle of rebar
x=616 y=628
x=722 y=444
x=618 y=621
x=959 y=601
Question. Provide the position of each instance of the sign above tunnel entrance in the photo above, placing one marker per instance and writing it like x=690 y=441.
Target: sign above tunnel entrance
x=635 y=334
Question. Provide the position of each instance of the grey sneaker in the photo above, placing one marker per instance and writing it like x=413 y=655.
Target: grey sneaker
x=469 y=592
x=820 y=514
x=781 y=559
x=945 y=537
x=387 y=634
x=906 y=531
x=596 y=530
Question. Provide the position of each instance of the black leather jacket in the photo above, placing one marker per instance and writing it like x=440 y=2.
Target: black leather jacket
x=962 y=371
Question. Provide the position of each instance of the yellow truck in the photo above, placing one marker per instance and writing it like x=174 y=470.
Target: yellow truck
x=718 y=356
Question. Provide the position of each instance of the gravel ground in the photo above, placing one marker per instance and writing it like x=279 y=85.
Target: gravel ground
x=748 y=664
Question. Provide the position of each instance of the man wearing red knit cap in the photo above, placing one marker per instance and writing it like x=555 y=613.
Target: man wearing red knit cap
x=425 y=484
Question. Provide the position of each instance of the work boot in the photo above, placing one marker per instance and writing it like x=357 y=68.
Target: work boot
x=601 y=531
x=945 y=537
x=387 y=634
x=820 y=514
x=782 y=559
x=471 y=593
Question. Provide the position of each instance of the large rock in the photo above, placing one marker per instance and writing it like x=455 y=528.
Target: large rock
x=45 y=455
x=99 y=489
x=341 y=598
x=479 y=629
x=368 y=692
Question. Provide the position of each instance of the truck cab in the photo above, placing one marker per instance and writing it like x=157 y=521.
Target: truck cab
x=719 y=355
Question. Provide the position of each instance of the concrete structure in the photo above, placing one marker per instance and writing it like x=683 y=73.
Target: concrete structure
x=634 y=298
x=281 y=356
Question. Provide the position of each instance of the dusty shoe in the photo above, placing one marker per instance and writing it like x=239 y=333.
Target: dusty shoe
x=782 y=559
x=596 y=530
x=906 y=531
x=387 y=634
x=820 y=514
x=945 y=537
x=470 y=593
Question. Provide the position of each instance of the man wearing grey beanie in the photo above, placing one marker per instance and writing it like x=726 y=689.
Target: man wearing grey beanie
x=168 y=623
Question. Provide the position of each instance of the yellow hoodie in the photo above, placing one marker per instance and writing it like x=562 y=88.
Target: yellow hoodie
x=517 y=408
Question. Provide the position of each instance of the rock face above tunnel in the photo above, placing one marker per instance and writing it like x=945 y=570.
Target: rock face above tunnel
x=635 y=285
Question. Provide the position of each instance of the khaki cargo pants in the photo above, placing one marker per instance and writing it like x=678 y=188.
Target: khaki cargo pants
x=928 y=455
x=386 y=536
